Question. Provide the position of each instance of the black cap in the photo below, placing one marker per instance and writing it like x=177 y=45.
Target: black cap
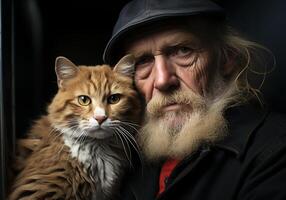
x=138 y=13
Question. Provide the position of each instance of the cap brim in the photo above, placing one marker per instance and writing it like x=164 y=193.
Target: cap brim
x=118 y=36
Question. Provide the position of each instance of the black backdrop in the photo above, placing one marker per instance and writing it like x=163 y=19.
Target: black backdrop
x=44 y=30
x=79 y=30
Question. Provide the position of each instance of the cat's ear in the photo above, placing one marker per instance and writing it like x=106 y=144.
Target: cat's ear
x=126 y=65
x=65 y=70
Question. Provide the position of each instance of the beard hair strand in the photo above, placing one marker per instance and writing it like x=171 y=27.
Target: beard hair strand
x=205 y=124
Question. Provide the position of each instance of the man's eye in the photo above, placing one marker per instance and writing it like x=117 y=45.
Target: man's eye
x=143 y=66
x=144 y=60
x=182 y=51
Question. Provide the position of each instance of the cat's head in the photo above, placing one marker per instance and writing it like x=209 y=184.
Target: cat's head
x=94 y=101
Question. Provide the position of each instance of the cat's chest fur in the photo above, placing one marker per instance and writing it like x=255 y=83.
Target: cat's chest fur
x=102 y=161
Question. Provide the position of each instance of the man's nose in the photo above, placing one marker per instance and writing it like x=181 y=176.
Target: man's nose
x=165 y=77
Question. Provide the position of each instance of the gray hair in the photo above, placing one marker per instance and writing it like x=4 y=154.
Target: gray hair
x=252 y=62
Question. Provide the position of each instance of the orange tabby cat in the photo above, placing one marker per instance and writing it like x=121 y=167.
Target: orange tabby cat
x=79 y=149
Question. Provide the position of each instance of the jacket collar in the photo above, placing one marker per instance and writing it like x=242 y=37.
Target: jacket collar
x=242 y=123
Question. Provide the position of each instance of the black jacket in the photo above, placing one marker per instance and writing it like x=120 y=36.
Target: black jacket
x=250 y=163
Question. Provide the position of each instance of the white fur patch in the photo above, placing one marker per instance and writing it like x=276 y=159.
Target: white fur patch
x=99 y=111
x=102 y=162
x=73 y=147
x=83 y=155
x=93 y=122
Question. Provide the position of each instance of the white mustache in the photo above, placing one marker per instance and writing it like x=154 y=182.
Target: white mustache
x=158 y=102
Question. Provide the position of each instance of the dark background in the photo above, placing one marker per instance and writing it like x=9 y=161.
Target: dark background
x=44 y=30
x=35 y=32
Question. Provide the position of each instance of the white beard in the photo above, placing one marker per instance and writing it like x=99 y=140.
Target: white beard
x=176 y=134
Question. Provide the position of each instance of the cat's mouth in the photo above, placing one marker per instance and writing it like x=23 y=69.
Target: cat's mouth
x=99 y=133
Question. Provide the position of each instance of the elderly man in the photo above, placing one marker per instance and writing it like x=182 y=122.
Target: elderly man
x=206 y=134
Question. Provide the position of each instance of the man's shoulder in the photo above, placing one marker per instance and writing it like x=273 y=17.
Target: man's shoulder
x=273 y=126
x=276 y=118
x=254 y=130
x=269 y=138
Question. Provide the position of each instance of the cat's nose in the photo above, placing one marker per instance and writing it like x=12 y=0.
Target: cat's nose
x=100 y=118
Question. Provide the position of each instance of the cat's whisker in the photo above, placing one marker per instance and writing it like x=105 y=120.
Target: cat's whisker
x=111 y=128
x=127 y=122
x=67 y=127
x=125 y=151
x=130 y=137
x=57 y=136
x=54 y=135
x=84 y=136
x=80 y=135
x=54 y=131
x=131 y=125
x=62 y=148
x=132 y=141
x=123 y=145
x=129 y=134
x=75 y=132
x=81 y=139
x=126 y=139
x=126 y=142
x=72 y=123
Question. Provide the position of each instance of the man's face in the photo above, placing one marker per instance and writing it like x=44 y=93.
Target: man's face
x=176 y=74
x=170 y=60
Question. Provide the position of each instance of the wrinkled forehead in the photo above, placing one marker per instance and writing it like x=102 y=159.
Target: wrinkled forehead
x=157 y=41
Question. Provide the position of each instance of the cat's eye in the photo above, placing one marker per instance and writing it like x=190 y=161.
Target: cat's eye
x=84 y=100
x=113 y=99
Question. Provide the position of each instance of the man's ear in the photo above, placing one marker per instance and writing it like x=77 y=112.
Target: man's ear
x=126 y=66
x=65 y=70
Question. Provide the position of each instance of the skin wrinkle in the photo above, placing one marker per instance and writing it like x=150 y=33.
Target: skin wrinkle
x=201 y=75
x=144 y=45
x=183 y=108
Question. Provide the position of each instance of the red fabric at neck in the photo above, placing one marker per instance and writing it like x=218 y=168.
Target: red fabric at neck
x=166 y=171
